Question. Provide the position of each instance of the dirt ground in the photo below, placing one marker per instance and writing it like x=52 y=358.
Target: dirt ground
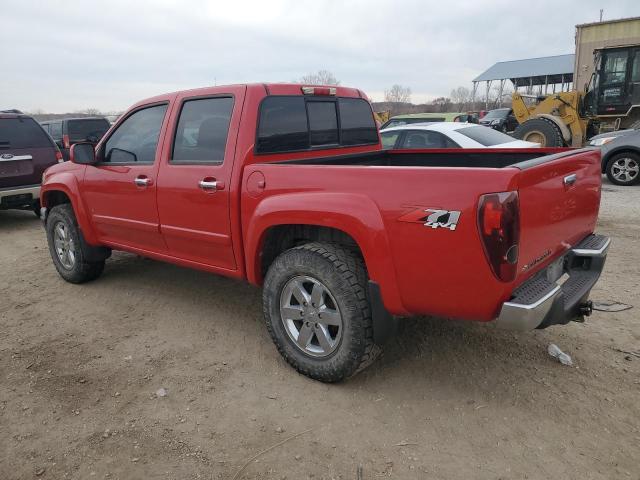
x=80 y=367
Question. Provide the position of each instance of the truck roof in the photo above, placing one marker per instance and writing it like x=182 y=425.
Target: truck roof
x=268 y=88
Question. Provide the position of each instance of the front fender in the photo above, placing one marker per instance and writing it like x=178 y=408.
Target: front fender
x=67 y=183
x=354 y=214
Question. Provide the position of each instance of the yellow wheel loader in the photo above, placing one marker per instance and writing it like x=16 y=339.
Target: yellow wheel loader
x=611 y=101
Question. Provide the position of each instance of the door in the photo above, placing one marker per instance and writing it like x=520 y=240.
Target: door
x=613 y=96
x=120 y=190
x=195 y=177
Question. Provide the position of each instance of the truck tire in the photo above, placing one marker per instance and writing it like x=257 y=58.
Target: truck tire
x=63 y=237
x=624 y=169
x=540 y=130
x=317 y=311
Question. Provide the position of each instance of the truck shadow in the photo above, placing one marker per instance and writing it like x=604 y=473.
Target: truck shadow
x=427 y=351
x=10 y=219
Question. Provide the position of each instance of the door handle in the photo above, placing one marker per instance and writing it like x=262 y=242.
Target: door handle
x=570 y=179
x=142 y=181
x=210 y=185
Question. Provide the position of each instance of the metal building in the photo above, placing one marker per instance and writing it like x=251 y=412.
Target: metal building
x=606 y=34
x=541 y=74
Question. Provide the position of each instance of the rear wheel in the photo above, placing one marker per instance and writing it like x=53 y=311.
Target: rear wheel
x=624 y=169
x=317 y=311
x=540 y=130
x=63 y=236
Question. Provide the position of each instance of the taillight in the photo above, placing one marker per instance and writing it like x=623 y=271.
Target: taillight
x=319 y=90
x=59 y=157
x=65 y=141
x=499 y=225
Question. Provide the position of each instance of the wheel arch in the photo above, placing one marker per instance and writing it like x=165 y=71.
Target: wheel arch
x=616 y=151
x=65 y=190
x=285 y=221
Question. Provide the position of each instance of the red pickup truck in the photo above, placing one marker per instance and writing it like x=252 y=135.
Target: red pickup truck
x=287 y=186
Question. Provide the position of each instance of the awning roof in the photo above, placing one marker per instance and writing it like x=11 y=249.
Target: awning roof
x=536 y=71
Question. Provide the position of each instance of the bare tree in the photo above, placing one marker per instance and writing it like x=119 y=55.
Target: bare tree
x=321 y=77
x=442 y=104
x=461 y=96
x=91 y=111
x=398 y=94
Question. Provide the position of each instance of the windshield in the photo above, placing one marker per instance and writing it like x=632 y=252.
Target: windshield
x=485 y=135
x=87 y=130
x=493 y=114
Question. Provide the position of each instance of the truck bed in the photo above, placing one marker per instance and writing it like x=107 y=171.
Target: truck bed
x=438 y=271
x=462 y=158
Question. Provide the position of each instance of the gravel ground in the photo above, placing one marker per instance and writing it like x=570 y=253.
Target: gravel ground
x=81 y=366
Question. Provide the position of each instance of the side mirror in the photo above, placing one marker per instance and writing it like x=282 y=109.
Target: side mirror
x=82 y=154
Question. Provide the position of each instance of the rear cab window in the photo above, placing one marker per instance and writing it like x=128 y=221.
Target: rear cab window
x=299 y=123
x=22 y=132
x=485 y=135
x=90 y=130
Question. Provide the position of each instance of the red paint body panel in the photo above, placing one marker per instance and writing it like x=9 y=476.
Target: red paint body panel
x=420 y=270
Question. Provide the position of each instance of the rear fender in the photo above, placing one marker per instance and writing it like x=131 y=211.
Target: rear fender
x=67 y=183
x=354 y=214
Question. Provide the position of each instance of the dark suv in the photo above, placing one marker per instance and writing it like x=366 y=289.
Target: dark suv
x=25 y=152
x=501 y=119
x=68 y=131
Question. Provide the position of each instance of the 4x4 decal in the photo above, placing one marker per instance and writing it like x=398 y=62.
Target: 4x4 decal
x=433 y=217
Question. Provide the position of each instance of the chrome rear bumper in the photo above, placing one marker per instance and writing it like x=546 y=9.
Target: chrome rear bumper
x=540 y=302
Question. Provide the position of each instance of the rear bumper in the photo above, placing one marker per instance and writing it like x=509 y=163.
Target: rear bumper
x=541 y=301
x=16 y=197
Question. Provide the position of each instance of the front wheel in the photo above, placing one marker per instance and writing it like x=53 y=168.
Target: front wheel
x=624 y=169
x=541 y=131
x=63 y=237
x=317 y=311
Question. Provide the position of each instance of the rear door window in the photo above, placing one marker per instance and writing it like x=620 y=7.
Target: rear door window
x=136 y=139
x=201 y=134
x=90 y=130
x=426 y=139
x=22 y=133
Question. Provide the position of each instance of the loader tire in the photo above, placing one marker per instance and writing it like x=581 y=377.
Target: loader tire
x=540 y=130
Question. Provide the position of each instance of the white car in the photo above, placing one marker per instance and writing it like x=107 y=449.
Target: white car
x=448 y=135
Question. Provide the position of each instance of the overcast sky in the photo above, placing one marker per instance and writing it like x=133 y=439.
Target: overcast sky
x=63 y=56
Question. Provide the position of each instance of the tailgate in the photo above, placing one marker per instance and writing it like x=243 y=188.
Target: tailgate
x=25 y=152
x=24 y=166
x=559 y=202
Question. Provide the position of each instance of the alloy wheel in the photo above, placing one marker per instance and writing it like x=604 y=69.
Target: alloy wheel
x=311 y=316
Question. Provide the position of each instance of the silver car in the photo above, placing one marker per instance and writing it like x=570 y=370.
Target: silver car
x=620 y=155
